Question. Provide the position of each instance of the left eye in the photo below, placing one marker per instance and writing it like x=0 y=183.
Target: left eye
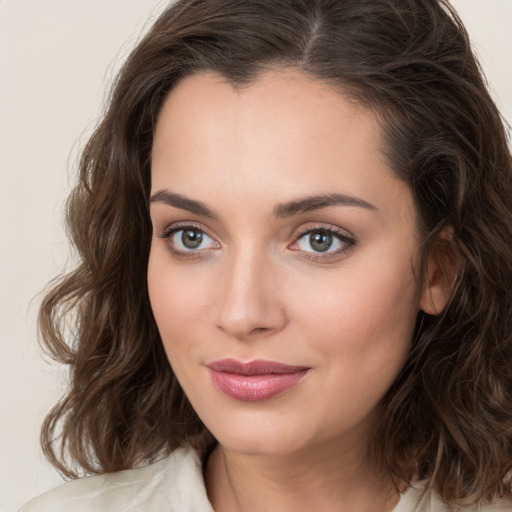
x=322 y=241
x=191 y=239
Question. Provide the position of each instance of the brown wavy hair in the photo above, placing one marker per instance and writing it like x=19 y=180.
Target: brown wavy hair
x=448 y=416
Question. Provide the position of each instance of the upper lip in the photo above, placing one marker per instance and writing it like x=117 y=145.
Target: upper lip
x=256 y=367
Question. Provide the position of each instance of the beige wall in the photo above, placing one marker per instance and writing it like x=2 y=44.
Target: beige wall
x=56 y=57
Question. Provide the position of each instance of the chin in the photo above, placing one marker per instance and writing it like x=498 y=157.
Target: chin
x=262 y=447
x=259 y=436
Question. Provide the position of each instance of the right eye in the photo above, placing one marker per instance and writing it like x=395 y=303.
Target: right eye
x=188 y=239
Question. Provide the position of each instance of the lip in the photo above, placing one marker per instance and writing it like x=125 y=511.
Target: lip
x=256 y=380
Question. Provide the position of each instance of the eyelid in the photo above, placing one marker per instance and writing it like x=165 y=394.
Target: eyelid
x=342 y=233
x=178 y=226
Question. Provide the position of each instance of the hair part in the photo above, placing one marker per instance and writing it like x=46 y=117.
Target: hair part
x=447 y=417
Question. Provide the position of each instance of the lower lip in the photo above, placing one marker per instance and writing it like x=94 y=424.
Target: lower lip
x=255 y=388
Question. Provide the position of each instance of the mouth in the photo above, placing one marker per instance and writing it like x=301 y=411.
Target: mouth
x=256 y=380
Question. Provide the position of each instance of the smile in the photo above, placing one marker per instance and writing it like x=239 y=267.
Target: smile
x=254 y=381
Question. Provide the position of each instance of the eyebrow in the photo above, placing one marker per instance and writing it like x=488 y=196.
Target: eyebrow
x=289 y=209
x=312 y=203
x=182 y=202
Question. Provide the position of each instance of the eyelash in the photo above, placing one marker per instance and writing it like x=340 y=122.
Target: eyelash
x=347 y=242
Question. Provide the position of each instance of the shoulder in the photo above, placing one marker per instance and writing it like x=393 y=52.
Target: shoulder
x=418 y=499
x=174 y=484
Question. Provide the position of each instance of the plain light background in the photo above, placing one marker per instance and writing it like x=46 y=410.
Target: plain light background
x=57 y=59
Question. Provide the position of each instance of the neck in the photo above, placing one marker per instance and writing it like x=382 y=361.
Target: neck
x=323 y=479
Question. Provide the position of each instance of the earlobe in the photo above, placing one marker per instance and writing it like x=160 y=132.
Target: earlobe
x=440 y=273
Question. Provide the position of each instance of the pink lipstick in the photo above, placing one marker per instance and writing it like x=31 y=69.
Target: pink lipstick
x=256 y=380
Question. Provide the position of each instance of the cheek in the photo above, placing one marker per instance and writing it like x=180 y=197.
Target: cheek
x=178 y=302
x=365 y=315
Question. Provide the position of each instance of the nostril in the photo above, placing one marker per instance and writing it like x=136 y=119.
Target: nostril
x=259 y=330
x=243 y=331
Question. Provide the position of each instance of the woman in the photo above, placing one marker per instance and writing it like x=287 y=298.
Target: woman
x=294 y=289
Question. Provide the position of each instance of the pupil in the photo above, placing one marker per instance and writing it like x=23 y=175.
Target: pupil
x=321 y=242
x=191 y=239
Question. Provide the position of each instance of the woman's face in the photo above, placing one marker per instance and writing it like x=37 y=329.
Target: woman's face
x=283 y=262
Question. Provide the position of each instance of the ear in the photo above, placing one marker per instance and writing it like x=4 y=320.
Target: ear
x=440 y=273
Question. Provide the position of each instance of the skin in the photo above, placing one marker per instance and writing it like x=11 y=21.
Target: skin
x=256 y=287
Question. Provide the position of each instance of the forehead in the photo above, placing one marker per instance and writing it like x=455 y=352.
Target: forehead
x=284 y=135
x=286 y=102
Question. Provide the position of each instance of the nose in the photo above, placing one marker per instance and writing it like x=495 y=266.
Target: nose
x=248 y=304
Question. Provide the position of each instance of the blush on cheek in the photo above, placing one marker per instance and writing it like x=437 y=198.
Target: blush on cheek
x=369 y=327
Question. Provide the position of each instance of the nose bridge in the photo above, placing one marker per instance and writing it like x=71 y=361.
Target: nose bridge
x=247 y=301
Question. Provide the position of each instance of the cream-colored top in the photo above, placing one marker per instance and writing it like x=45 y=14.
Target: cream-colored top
x=175 y=484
